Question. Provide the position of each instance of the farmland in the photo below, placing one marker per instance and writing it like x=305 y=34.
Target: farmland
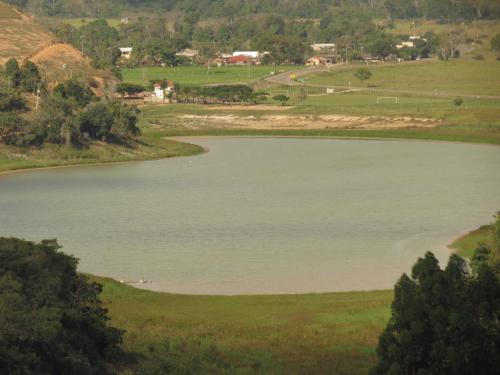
x=201 y=75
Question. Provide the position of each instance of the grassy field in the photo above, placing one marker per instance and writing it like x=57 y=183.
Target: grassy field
x=277 y=334
x=201 y=75
x=77 y=22
x=467 y=244
x=150 y=146
x=464 y=76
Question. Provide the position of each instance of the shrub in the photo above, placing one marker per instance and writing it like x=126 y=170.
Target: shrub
x=458 y=101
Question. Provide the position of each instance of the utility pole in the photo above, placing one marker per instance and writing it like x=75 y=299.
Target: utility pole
x=37 y=95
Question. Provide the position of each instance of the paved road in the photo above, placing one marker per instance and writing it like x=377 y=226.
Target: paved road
x=284 y=79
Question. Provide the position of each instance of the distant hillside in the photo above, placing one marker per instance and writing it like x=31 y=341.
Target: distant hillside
x=446 y=10
x=21 y=37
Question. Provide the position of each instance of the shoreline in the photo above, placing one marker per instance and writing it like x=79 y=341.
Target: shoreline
x=185 y=138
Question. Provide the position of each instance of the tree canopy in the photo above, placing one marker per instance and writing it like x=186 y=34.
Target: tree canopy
x=51 y=318
x=445 y=321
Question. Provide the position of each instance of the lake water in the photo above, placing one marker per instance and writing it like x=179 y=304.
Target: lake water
x=261 y=215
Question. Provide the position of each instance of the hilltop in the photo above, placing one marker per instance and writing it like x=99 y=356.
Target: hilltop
x=22 y=38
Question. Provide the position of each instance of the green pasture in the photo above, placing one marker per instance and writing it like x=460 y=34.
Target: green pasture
x=333 y=333
x=463 y=76
x=201 y=75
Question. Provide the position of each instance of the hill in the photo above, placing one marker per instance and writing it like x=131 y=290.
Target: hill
x=21 y=37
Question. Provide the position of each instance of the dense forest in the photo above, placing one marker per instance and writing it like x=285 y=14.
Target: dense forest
x=446 y=10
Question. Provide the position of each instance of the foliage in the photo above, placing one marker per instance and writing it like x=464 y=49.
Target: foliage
x=495 y=43
x=30 y=79
x=125 y=119
x=13 y=72
x=183 y=357
x=75 y=91
x=443 y=321
x=362 y=74
x=51 y=318
x=18 y=132
x=96 y=120
x=281 y=98
x=129 y=88
x=11 y=100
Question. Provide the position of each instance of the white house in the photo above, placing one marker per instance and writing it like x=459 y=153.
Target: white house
x=126 y=52
x=162 y=89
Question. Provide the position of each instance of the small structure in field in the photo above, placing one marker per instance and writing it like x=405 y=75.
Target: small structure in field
x=124 y=20
x=126 y=52
x=162 y=90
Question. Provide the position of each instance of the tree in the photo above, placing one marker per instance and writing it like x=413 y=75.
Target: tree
x=30 y=78
x=495 y=43
x=281 y=98
x=125 y=119
x=129 y=88
x=443 y=321
x=12 y=72
x=96 y=120
x=362 y=74
x=11 y=100
x=51 y=318
x=75 y=91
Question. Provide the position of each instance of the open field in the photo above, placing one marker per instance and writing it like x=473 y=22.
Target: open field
x=275 y=334
x=354 y=114
x=467 y=244
x=201 y=75
x=150 y=146
x=464 y=76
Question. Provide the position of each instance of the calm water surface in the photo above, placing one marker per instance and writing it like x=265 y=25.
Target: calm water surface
x=261 y=215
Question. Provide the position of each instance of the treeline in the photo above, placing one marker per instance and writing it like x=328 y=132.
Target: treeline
x=448 y=10
x=71 y=114
x=155 y=41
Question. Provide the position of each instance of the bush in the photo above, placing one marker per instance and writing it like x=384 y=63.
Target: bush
x=478 y=57
x=495 y=43
x=17 y=132
x=458 y=101
x=126 y=88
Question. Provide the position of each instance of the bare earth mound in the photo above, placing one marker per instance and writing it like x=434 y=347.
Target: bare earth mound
x=61 y=61
x=22 y=38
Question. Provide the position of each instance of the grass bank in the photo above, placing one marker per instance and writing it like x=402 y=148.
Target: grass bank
x=150 y=145
x=274 y=334
x=467 y=244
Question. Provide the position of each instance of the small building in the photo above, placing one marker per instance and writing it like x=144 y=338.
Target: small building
x=239 y=60
x=254 y=55
x=162 y=89
x=124 y=20
x=126 y=52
